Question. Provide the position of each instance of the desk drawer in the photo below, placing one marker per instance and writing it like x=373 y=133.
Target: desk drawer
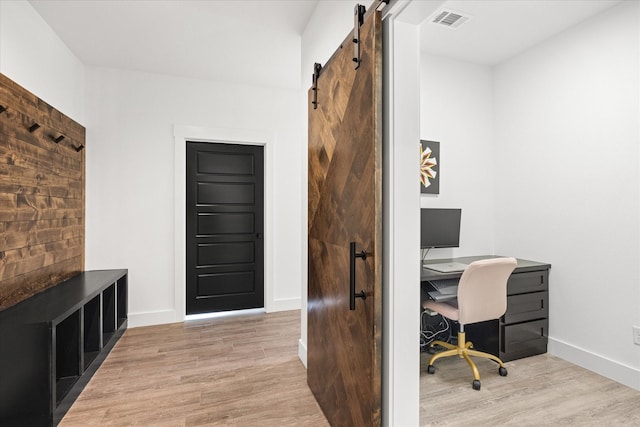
x=530 y=337
x=523 y=307
x=532 y=281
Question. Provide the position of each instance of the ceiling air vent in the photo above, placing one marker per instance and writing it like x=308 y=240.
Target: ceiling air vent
x=450 y=18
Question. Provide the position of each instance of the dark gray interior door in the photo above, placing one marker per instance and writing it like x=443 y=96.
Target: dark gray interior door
x=225 y=216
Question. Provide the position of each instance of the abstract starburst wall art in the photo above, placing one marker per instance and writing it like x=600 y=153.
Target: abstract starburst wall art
x=429 y=167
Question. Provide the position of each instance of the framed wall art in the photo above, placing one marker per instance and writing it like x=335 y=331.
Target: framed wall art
x=429 y=167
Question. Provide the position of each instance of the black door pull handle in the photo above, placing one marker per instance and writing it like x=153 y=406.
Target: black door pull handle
x=352 y=275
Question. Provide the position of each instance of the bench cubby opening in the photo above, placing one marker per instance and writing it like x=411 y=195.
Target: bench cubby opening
x=53 y=342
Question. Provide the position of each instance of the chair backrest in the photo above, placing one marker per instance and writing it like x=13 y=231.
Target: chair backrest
x=482 y=291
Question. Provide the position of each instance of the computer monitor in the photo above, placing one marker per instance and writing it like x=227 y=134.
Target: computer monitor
x=440 y=228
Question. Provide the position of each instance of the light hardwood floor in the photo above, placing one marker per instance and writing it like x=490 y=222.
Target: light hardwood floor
x=541 y=390
x=245 y=371
x=240 y=371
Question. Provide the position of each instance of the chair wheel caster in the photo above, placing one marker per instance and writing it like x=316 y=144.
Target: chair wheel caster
x=476 y=385
x=502 y=371
x=431 y=369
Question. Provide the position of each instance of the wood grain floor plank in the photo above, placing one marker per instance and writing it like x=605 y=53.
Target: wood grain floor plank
x=542 y=390
x=244 y=371
x=227 y=371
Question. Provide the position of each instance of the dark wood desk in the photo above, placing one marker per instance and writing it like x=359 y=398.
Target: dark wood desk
x=522 y=330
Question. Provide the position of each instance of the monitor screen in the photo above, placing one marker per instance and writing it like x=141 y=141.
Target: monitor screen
x=440 y=228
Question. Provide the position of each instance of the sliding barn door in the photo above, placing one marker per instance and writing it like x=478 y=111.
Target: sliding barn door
x=345 y=231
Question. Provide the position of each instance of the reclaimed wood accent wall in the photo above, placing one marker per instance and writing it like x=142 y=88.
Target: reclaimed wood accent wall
x=42 y=195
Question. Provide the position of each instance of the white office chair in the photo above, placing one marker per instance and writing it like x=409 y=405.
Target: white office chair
x=482 y=296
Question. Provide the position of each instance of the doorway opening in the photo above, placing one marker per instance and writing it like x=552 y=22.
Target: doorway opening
x=224 y=227
x=219 y=136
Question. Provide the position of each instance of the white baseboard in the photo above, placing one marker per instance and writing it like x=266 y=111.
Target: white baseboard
x=302 y=352
x=611 y=369
x=150 y=318
x=285 y=304
x=161 y=317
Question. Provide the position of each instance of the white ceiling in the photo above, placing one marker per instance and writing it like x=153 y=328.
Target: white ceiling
x=500 y=29
x=258 y=41
x=249 y=41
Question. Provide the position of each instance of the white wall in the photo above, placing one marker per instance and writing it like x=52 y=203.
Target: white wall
x=33 y=56
x=130 y=176
x=129 y=119
x=456 y=109
x=567 y=183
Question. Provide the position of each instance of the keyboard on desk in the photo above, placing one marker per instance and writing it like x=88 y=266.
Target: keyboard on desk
x=445 y=286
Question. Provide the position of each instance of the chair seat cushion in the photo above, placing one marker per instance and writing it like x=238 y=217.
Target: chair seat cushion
x=447 y=309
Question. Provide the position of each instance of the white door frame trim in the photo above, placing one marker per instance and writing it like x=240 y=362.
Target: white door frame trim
x=182 y=134
x=401 y=207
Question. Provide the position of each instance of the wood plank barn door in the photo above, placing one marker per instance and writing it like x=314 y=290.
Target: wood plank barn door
x=345 y=229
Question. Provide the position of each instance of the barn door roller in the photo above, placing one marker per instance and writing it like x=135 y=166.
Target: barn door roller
x=358 y=18
x=316 y=73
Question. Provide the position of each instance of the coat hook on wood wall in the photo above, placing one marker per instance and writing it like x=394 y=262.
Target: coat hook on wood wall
x=58 y=139
x=79 y=148
x=34 y=127
x=2 y=109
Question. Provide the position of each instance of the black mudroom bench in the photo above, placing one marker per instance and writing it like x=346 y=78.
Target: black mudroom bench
x=52 y=343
